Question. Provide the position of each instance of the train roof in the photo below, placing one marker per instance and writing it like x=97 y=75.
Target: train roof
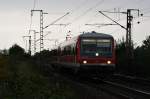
x=86 y=35
x=95 y=34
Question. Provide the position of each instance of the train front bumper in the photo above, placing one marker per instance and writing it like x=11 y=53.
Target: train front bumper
x=99 y=67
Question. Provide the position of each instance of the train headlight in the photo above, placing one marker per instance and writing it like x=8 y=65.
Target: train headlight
x=84 y=62
x=96 y=54
x=108 y=62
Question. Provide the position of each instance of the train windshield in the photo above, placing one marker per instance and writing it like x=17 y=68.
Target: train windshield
x=96 y=47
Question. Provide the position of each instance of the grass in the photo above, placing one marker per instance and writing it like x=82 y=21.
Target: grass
x=23 y=80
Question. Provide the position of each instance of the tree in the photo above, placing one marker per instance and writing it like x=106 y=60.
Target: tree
x=121 y=56
x=146 y=50
x=16 y=50
x=142 y=56
x=146 y=43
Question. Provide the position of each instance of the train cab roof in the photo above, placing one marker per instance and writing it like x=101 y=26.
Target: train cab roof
x=92 y=34
x=95 y=34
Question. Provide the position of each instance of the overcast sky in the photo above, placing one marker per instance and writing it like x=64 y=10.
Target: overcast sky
x=15 y=19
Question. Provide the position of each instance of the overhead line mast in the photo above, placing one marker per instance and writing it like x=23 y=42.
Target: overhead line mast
x=129 y=42
x=41 y=27
x=34 y=39
x=29 y=51
x=41 y=39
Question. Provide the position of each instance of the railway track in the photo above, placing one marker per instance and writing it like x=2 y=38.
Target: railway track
x=132 y=82
x=121 y=88
x=114 y=89
x=137 y=80
x=120 y=91
x=126 y=91
x=117 y=87
x=127 y=86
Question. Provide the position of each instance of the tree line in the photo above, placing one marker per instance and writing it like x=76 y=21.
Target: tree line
x=141 y=60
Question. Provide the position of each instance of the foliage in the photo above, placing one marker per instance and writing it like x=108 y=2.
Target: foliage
x=20 y=78
x=16 y=50
x=146 y=43
x=140 y=66
x=142 y=56
x=121 y=56
x=43 y=54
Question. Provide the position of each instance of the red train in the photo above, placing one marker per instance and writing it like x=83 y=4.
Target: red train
x=89 y=51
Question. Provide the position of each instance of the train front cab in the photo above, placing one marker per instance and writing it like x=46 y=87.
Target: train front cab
x=96 y=55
